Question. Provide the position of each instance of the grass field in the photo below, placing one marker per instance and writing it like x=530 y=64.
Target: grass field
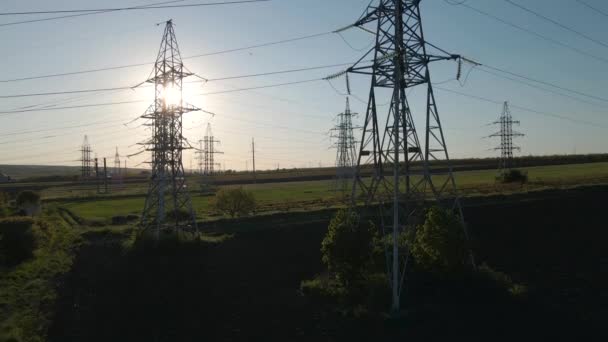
x=309 y=195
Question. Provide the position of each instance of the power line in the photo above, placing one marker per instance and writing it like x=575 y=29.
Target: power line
x=77 y=15
x=129 y=8
x=557 y=23
x=592 y=8
x=533 y=33
x=71 y=107
x=278 y=42
x=206 y=80
x=588 y=123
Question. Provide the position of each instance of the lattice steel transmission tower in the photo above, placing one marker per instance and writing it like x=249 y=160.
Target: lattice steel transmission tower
x=346 y=156
x=206 y=153
x=85 y=150
x=117 y=164
x=506 y=135
x=403 y=171
x=168 y=196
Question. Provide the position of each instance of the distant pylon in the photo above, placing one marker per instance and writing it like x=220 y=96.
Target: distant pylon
x=345 y=145
x=506 y=135
x=117 y=164
x=395 y=172
x=168 y=198
x=85 y=151
x=206 y=153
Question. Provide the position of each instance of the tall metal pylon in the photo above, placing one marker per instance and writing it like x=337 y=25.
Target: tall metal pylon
x=168 y=196
x=85 y=150
x=402 y=170
x=206 y=153
x=346 y=156
x=117 y=163
x=506 y=135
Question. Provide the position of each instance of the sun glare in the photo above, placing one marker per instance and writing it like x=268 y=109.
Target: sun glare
x=171 y=96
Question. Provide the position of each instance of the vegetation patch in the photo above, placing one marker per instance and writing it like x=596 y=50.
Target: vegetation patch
x=28 y=289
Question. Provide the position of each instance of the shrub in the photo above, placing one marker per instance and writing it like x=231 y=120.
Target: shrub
x=513 y=176
x=235 y=202
x=17 y=240
x=501 y=281
x=29 y=202
x=348 y=248
x=439 y=245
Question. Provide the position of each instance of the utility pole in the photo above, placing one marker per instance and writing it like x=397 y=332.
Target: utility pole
x=168 y=195
x=506 y=135
x=401 y=170
x=345 y=146
x=105 y=176
x=97 y=175
x=253 y=156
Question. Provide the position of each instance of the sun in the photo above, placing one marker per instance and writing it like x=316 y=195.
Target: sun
x=170 y=96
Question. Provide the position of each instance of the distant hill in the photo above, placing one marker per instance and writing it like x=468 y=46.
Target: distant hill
x=27 y=171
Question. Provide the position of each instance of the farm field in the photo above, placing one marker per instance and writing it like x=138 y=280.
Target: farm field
x=273 y=254
x=314 y=195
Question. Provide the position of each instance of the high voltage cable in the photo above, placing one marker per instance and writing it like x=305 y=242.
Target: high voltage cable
x=534 y=33
x=283 y=41
x=77 y=15
x=206 y=80
x=71 y=107
x=130 y=8
x=480 y=98
x=557 y=23
x=592 y=8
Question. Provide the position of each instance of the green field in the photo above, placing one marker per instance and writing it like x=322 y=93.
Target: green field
x=309 y=195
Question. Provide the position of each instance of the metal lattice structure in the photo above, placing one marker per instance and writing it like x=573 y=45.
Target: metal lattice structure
x=117 y=164
x=394 y=171
x=206 y=153
x=345 y=145
x=168 y=198
x=506 y=135
x=85 y=151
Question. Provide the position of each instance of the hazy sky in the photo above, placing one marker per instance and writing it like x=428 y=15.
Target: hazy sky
x=291 y=123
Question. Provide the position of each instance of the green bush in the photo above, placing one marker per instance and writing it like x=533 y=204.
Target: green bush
x=501 y=280
x=235 y=202
x=439 y=245
x=348 y=248
x=513 y=176
x=17 y=240
x=29 y=202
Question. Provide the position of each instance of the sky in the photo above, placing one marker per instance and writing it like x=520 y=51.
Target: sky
x=291 y=123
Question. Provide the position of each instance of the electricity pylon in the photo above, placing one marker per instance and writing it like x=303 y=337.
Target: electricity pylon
x=117 y=163
x=506 y=135
x=206 y=153
x=85 y=151
x=402 y=171
x=168 y=196
x=345 y=144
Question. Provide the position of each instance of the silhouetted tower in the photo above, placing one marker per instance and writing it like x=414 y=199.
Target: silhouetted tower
x=207 y=152
x=86 y=160
x=253 y=159
x=168 y=195
x=506 y=135
x=117 y=163
x=345 y=145
x=402 y=169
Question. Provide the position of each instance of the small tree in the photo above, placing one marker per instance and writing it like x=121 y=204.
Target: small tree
x=235 y=202
x=439 y=245
x=29 y=202
x=348 y=248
